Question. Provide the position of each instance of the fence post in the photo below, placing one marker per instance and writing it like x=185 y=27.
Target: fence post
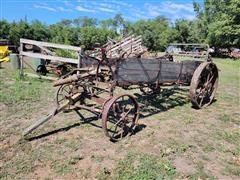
x=21 y=60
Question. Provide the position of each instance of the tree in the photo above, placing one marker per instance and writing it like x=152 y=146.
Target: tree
x=4 y=29
x=85 y=22
x=220 y=21
x=117 y=24
x=62 y=34
x=156 y=33
x=19 y=30
x=89 y=36
x=40 y=31
x=65 y=22
x=188 y=31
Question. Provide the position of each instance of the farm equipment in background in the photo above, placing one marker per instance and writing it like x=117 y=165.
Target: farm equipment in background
x=188 y=50
x=235 y=53
x=4 y=51
x=92 y=88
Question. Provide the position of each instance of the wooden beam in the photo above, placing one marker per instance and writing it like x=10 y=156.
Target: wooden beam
x=47 y=51
x=53 y=58
x=41 y=77
x=46 y=44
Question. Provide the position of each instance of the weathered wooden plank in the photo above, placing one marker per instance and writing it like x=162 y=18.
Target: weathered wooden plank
x=119 y=43
x=47 y=44
x=126 y=45
x=41 y=77
x=53 y=58
x=47 y=50
x=124 y=42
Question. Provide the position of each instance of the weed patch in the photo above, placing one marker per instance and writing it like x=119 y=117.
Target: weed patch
x=142 y=166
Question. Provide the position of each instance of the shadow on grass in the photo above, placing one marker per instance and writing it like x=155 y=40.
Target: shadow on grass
x=89 y=120
x=86 y=120
x=167 y=99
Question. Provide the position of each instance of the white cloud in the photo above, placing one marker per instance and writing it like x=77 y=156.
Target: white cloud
x=171 y=9
x=45 y=7
x=67 y=3
x=118 y=3
x=106 y=9
x=62 y=9
x=174 y=10
x=84 y=9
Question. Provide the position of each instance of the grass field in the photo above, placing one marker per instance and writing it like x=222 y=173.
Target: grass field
x=174 y=140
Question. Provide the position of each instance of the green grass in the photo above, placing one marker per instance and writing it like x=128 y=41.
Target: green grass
x=62 y=168
x=137 y=166
x=17 y=91
x=231 y=137
x=232 y=170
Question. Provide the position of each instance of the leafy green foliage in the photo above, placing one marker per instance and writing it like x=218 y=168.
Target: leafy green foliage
x=221 y=21
x=91 y=35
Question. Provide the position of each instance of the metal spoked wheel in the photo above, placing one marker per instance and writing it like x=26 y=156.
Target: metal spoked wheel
x=63 y=93
x=204 y=84
x=119 y=116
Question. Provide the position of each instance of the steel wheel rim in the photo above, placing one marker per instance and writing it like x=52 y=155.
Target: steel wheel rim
x=204 y=85
x=63 y=92
x=119 y=117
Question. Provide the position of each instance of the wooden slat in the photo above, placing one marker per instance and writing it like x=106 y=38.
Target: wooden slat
x=41 y=77
x=53 y=58
x=126 y=43
x=46 y=44
x=120 y=42
x=47 y=50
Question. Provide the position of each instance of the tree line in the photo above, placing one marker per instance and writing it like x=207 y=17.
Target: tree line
x=217 y=23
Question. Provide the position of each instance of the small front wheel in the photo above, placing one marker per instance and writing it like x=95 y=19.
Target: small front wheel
x=119 y=116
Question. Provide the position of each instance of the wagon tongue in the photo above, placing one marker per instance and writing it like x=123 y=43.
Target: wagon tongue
x=70 y=101
x=37 y=123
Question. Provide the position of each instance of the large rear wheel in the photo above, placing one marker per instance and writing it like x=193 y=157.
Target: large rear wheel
x=204 y=84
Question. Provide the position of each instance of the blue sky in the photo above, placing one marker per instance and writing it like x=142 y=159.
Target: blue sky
x=51 y=11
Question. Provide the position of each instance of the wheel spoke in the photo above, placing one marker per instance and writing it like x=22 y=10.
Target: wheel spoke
x=66 y=91
x=61 y=99
x=201 y=101
x=200 y=92
x=116 y=126
x=120 y=117
x=210 y=79
x=63 y=93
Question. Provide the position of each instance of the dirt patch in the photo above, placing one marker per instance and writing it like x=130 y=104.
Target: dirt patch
x=184 y=165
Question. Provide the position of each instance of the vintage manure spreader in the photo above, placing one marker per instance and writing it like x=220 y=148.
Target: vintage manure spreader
x=91 y=88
